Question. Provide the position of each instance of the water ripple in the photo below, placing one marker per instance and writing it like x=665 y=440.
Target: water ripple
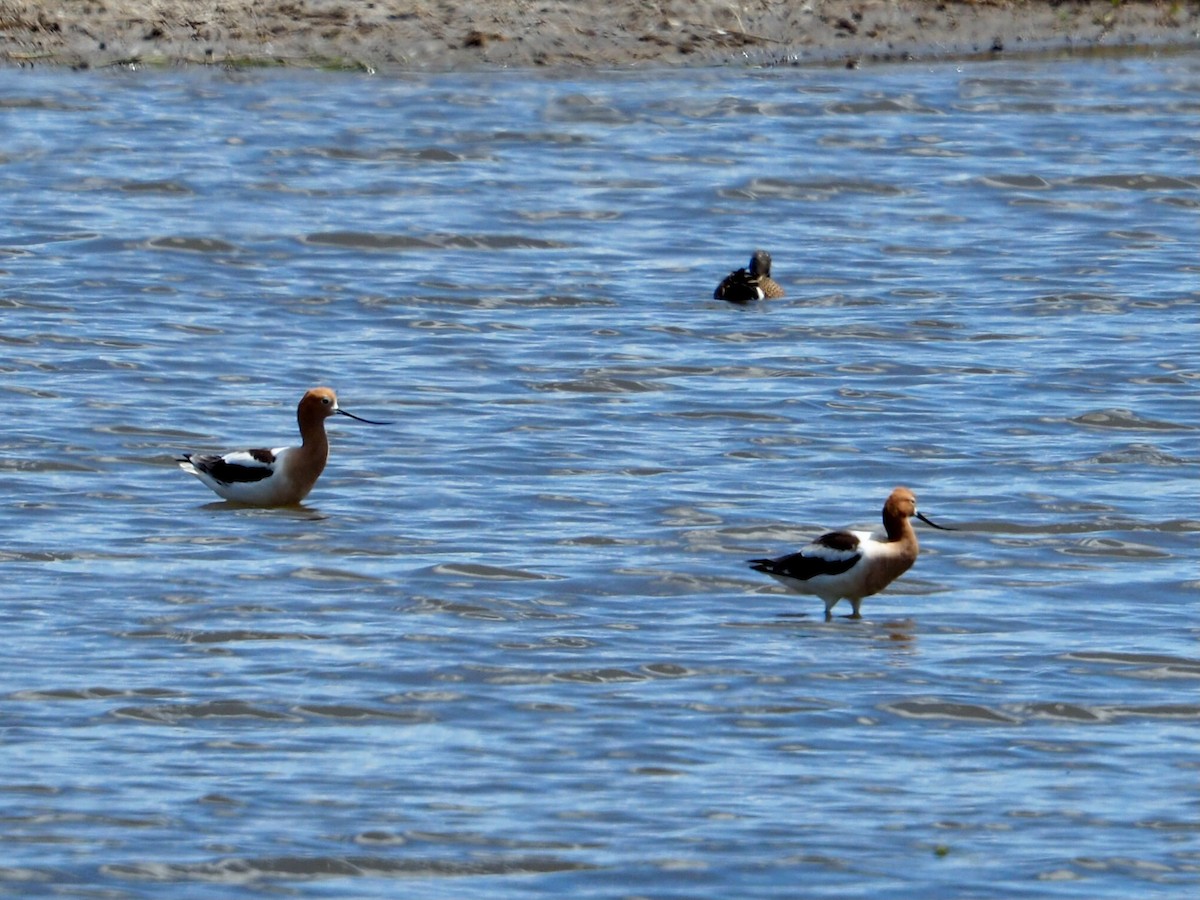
x=237 y=871
x=514 y=633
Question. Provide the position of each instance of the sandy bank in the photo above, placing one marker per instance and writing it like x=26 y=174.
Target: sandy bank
x=473 y=34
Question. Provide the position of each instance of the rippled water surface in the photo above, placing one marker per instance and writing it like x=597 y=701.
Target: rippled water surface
x=509 y=646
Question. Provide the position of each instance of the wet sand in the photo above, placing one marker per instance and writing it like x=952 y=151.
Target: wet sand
x=475 y=34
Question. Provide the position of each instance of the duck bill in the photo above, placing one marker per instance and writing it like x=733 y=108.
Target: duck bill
x=361 y=419
x=934 y=524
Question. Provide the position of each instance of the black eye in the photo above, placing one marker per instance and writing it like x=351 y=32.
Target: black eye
x=325 y=400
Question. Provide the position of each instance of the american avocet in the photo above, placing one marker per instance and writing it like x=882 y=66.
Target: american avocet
x=853 y=564
x=742 y=286
x=279 y=477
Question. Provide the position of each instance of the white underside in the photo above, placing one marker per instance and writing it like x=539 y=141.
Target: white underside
x=849 y=585
x=270 y=491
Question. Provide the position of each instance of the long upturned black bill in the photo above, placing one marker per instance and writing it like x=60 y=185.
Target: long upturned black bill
x=934 y=524
x=361 y=419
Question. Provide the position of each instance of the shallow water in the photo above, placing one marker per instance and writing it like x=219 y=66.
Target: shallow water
x=509 y=646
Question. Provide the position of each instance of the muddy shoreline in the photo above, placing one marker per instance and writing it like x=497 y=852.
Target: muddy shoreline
x=480 y=34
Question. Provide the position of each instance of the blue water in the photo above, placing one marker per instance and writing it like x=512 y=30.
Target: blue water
x=509 y=646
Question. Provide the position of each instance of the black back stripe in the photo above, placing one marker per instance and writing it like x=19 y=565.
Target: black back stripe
x=803 y=567
x=232 y=473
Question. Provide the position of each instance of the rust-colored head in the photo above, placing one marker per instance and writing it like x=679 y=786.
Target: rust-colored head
x=319 y=403
x=901 y=505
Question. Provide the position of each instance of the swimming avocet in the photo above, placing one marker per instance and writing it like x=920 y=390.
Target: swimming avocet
x=279 y=477
x=853 y=564
x=742 y=286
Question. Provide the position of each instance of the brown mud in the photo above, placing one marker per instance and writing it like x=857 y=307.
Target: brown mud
x=480 y=34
